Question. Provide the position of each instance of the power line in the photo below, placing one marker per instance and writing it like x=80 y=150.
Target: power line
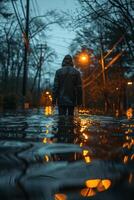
x=34 y=9
x=23 y=10
x=110 y=51
x=18 y=17
x=37 y=6
x=16 y=14
x=107 y=67
x=17 y=10
x=33 y=52
x=114 y=46
x=26 y=38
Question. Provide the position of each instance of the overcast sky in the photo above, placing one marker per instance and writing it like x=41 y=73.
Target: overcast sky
x=60 y=38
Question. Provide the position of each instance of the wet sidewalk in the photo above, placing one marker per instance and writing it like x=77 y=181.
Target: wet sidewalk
x=52 y=158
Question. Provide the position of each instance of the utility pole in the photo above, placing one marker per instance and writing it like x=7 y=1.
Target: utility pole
x=26 y=41
x=103 y=72
x=40 y=65
x=103 y=65
x=42 y=49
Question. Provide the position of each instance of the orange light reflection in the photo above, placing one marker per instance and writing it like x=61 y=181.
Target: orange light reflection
x=60 y=197
x=48 y=110
x=88 y=192
x=92 y=183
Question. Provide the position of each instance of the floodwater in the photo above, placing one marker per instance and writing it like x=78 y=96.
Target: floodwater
x=46 y=157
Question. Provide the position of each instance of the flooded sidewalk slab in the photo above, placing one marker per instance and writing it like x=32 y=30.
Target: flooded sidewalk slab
x=47 y=157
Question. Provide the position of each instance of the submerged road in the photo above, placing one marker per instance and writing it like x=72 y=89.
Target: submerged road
x=52 y=158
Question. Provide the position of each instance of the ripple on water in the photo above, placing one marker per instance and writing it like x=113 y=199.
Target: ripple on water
x=68 y=159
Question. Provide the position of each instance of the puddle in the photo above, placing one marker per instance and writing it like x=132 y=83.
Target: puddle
x=46 y=157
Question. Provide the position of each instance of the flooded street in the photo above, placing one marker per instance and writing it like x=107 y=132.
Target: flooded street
x=51 y=158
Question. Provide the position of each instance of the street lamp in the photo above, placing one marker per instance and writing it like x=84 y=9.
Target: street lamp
x=82 y=61
x=47 y=93
x=84 y=58
x=129 y=83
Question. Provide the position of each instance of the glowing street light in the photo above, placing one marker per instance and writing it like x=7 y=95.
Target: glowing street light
x=47 y=93
x=84 y=58
x=130 y=83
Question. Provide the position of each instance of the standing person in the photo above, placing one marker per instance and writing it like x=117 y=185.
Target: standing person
x=67 y=89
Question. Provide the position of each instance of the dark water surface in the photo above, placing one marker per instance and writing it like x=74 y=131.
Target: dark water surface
x=51 y=158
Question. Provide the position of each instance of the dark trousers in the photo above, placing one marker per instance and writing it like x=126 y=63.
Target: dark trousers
x=66 y=110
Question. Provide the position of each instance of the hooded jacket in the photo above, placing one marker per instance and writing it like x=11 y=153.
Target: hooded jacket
x=67 y=89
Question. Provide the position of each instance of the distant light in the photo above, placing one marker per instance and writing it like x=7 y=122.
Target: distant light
x=26 y=106
x=129 y=113
x=130 y=83
x=47 y=92
x=85 y=152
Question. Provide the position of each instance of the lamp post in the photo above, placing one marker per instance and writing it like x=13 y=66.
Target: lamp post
x=26 y=37
x=84 y=60
x=103 y=71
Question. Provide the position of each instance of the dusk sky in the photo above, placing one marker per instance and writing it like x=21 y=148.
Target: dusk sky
x=59 y=38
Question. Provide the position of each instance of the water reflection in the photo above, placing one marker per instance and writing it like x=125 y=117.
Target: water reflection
x=95 y=143
x=130 y=178
x=128 y=143
x=60 y=197
x=48 y=110
x=65 y=132
x=86 y=156
x=99 y=184
x=78 y=157
x=94 y=186
x=129 y=113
